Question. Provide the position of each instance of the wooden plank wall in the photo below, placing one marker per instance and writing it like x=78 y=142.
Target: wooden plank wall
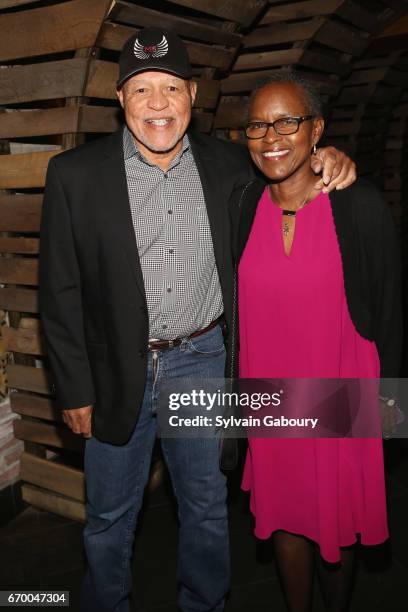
x=396 y=165
x=57 y=89
x=58 y=67
x=318 y=37
x=368 y=117
x=44 y=56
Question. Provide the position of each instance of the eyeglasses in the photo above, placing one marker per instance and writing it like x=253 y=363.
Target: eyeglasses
x=283 y=126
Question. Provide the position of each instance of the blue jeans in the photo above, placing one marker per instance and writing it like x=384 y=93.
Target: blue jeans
x=116 y=477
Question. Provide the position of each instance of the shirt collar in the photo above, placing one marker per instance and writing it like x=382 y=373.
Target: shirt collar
x=130 y=148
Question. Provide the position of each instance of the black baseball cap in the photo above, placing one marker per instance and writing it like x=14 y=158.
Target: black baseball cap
x=154 y=49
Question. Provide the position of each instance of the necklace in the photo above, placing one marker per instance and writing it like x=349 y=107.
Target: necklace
x=290 y=213
x=285 y=224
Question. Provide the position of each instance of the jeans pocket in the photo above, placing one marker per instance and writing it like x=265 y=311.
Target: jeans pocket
x=211 y=343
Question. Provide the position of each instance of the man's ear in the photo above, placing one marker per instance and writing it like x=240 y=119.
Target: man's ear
x=119 y=93
x=193 y=91
x=318 y=128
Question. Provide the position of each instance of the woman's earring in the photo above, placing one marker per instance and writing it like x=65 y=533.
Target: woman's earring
x=314 y=149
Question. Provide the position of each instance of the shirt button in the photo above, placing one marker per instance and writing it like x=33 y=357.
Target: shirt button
x=164 y=326
x=168 y=289
x=171 y=251
x=166 y=175
x=170 y=212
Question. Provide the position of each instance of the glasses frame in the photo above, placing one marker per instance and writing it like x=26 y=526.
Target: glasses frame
x=273 y=123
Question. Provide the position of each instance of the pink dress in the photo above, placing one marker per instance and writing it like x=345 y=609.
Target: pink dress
x=328 y=490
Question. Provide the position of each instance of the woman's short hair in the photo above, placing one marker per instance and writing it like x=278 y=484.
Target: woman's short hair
x=311 y=93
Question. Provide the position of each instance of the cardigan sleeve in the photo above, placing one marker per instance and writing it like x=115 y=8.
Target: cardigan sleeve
x=371 y=256
x=389 y=319
x=386 y=294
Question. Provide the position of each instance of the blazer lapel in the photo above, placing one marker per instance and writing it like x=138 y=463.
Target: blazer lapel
x=115 y=201
x=216 y=207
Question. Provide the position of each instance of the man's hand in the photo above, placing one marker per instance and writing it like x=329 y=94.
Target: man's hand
x=79 y=420
x=338 y=170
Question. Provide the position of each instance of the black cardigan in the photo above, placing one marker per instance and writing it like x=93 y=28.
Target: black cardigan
x=370 y=254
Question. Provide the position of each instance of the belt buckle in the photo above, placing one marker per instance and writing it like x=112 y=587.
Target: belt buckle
x=150 y=341
x=169 y=342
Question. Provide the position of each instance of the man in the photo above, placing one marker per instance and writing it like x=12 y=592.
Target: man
x=135 y=276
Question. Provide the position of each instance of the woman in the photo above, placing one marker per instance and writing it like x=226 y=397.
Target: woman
x=318 y=296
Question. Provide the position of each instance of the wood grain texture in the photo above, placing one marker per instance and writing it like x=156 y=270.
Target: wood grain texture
x=58 y=436
x=247 y=81
x=19 y=300
x=302 y=57
x=20 y=212
x=24 y=170
x=254 y=61
x=388 y=44
x=348 y=10
x=21 y=340
x=282 y=33
x=397 y=28
x=99 y=119
x=378 y=94
x=54 y=476
x=23 y=246
x=342 y=38
x=242 y=11
x=13 y=3
x=43 y=81
x=27 y=378
x=18 y=271
x=319 y=60
x=131 y=14
x=65 y=120
x=35 y=406
x=38 y=122
x=375 y=75
x=358 y=16
x=231 y=113
x=53 y=502
x=300 y=10
x=51 y=29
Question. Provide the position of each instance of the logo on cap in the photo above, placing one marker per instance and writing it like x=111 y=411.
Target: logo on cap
x=147 y=51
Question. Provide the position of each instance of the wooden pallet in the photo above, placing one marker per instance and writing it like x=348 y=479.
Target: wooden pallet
x=318 y=37
x=57 y=89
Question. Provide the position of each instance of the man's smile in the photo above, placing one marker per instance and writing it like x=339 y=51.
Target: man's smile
x=163 y=122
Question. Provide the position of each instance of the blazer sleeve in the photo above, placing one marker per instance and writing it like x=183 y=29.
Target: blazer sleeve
x=61 y=301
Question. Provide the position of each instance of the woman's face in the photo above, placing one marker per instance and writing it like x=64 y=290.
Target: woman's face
x=279 y=157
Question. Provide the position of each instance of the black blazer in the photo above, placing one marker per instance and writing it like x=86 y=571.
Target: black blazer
x=92 y=296
x=371 y=259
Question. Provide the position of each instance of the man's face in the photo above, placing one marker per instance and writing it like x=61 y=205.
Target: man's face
x=157 y=108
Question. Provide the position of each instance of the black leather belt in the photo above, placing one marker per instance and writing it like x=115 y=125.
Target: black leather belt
x=162 y=345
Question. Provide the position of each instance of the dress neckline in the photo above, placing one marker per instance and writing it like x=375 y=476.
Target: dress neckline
x=312 y=204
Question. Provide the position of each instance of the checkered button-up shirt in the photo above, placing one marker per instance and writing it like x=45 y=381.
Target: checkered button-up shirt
x=174 y=241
